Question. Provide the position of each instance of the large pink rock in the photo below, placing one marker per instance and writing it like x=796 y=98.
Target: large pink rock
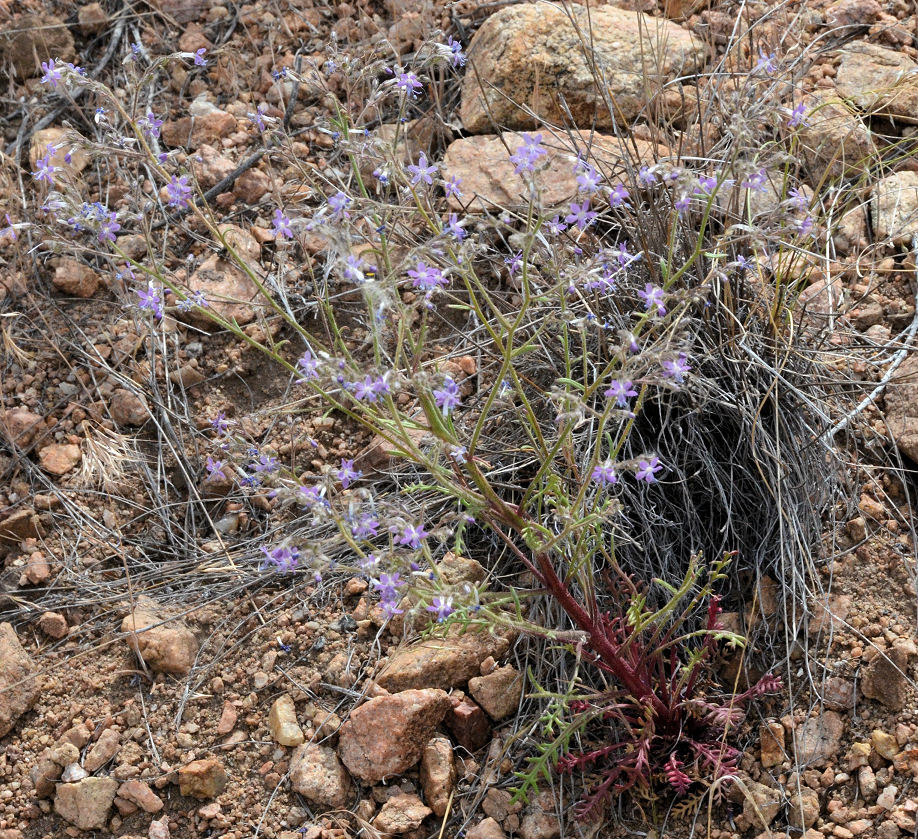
x=387 y=735
x=18 y=682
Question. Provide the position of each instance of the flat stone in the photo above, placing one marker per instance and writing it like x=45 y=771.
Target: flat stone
x=166 y=647
x=437 y=774
x=886 y=679
x=75 y=278
x=486 y=829
x=834 y=140
x=59 y=458
x=401 y=814
x=318 y=775
x=803 y=809
x=884 y=744
x=530 y=56
x=128 y=408
x=18 y=679
x=139 y=793
x=202 y=778
x=53 y=624
x=902 y=408
x=818 y=740
x=104 y=749
x=387 y=735
x=894 y=207
x=489 y=179
x=771 y=738
x=20 y=426
x=282 y=722
x=879 y=80
x=32 y=40
x=499 y=693
x=21 y=525
x=468 y=723
x=442 y=662
x=86 y=804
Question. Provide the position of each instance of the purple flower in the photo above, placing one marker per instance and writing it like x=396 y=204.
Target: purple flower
x=258 y=117
x=587 y=178
x=798 y=117
x=281 y=224
x=451 y=186
x=514 y=263
x=338 y=203
x=45 y=170
x=805 y=225
x=706 y=185
x=455 y=227
x=215 y=468
x=365 y=527
x=408 y=82
x=52 y=74
x=308 y=366
x=683 y=203
x=347 y=474
x=178 y=191
x=311 y=495
x=421 y=171
x=646 y=176
x=447 y=396
x=370 y=389
x=427 y=277
x=199 y=59
x=581 y=215
x=220 y=424
x=797 y=198
x=676 y=368
x=442 y=607
x=653 y=299
x=412 y=536
x=604 y=475
x=621 y=390
x=526 y=156
x=9 y=232
x=743 y=263
x=647 y=470
x=618 y=196
x=195 y=298
x=767 y=63
x=284 y=559
x=150 y=125
x=457 y=56
x=265 y=464
x=756 y=181
x=109 y=227
x=555 y=227
x=458 y=453
x=151 y=299
x=353 y=269
x=388 y=585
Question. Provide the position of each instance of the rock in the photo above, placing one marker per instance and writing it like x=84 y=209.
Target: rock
x=92 y=19
x=761 y=805
x=206 y=128
x=818 y=739
x=884 y=744
x=879 y=80
x=228 y=290
x=499 y=693
x=181 y=11
x=210 y=167
x=540 y=820
x=386 y=736
x=318 y=775
x=442 y=662
x=159 y=829
x=20 y=426
x=467 y=722
x=867 y=783
x=437 y=774
x=105 y=749
x=44 y=773
x=887 y=829
x=33 y=39
x=140 y=793
x=850 y=232
x=86 y=803
x=532 y=54
x=839 y=694
x=282 y=722
x=75 y=278
x=454 y=570
x=166 y=647
x=128 y=408
x=202 y=778
x=887 y=798
x=803 y=809
x=771 y=737
x=894 y=207
x=59 y=458
x=833 y=140
x=902 y=408
x=828 y=615
x=63 y=147
x=73 y=772
x=251 y=186
x=18 y=679
x=21 y=525
x=486 y=829
x=227 y=718
x=401 y=814
x=489 y=179
x=37 y=569
x=885 y=679
x=852 y=13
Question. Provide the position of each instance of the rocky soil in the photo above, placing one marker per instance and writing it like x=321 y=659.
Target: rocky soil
x=143 y=693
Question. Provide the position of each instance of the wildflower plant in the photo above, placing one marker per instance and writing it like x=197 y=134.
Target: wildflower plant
x=569 y=431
